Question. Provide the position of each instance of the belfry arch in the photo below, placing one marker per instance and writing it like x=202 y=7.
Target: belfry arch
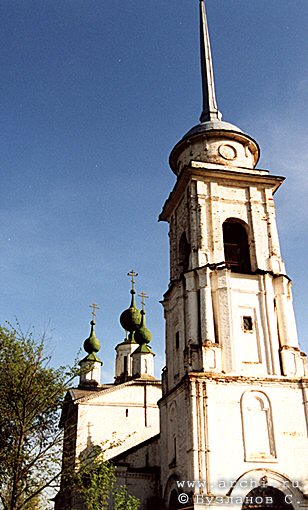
x=236 y=245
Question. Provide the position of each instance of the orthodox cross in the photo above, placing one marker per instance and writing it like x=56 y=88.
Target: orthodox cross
x=94 y=307
x=89 y=428
x=143 y=297
x=132 y=274
x=89 y=439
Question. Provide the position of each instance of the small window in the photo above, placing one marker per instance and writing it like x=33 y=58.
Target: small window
x=247 y=323
x=177 y=340
x=125 y=365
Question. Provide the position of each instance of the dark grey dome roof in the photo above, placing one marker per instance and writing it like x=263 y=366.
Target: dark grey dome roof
x=212 y=125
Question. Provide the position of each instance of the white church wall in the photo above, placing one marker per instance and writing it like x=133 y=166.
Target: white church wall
x=143 y=456
x=176 y=423
x=274 y=437
x=228 y=426
x=119 y=415
x=144 y=486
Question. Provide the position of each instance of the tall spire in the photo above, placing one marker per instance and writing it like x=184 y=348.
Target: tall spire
x=218 y=133
x=210 y=110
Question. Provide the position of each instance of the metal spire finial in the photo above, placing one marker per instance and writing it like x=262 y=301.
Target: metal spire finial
x=210 y=109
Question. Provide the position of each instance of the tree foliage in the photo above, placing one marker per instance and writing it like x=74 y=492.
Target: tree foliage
x=94 y=482
x=31 y=396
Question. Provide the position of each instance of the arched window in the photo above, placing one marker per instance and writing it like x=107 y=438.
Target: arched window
x=236 y=246
x=184 y=252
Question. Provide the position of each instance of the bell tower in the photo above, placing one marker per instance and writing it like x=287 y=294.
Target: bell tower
x=232 y=351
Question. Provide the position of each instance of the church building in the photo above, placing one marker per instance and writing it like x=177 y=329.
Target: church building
x=227 y=426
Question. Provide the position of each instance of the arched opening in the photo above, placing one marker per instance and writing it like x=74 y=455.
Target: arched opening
x=267 y=497
x=184 y=252
x=236 y=246
x=155 y=503
x=174 y=500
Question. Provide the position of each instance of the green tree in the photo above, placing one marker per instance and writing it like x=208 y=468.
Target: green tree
x=31 y=397
x=34 y=504
x=94 y=481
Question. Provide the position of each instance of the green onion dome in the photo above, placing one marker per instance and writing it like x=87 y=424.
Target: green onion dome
x=92 y=344
x=143 y=335
x=130 y=319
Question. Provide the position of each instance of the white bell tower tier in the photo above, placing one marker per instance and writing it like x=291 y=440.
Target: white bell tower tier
x=229 y=299
x=233 y=360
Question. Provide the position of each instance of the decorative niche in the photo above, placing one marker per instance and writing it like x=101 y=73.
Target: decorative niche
x=257 y=427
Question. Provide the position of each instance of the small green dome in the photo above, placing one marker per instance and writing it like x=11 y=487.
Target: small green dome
x=92 y=344
x=143 y=335
x=130 y=319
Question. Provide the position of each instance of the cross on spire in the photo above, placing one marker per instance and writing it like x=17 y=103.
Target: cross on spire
x=143 y=297
x=94 y=307
x=132 y=274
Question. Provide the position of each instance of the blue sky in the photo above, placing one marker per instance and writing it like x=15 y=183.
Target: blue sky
x=93 y=96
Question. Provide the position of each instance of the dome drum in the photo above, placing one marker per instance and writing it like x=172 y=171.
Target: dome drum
x=228 y=148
